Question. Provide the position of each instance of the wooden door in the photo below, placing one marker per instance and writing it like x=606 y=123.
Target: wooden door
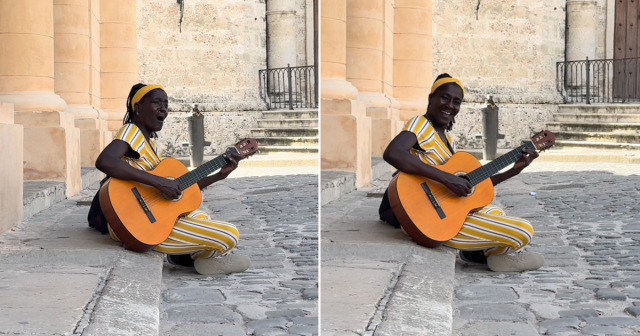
x=626 y=84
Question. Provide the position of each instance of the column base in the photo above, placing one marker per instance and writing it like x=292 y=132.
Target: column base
x=383 y=111
x=410 y=108
x=336 y=88
x=37 y=101
x=93 y=139
x=114 y=119
x=51 y=149
x=346 y=138
x=11 y=150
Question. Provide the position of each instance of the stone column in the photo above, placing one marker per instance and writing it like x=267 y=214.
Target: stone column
x=581 y=37
x=281 y=27
x=412 y=67
x=581 y=29
x=346 y=129
x=118 y=57
x=51 y=142
x=368 y=61
x=74 y=73
x=11 y=151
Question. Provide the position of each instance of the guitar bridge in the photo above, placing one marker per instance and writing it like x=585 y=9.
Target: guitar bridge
x=144 y=205
x=433 y=200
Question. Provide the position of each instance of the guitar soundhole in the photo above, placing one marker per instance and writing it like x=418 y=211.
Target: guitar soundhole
x=464 y=176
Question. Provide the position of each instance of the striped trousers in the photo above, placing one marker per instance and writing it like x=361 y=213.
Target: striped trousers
x=197 y=234
x=492 y=231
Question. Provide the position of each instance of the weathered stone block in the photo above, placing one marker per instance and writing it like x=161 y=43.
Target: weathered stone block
x=11 y=140
x=346 y=138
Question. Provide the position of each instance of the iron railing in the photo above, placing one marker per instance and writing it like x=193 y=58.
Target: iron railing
x=290 y=87
x=599 y=81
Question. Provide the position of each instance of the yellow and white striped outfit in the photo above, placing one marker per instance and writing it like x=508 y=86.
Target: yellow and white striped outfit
x=488 y=229
x=194 y=233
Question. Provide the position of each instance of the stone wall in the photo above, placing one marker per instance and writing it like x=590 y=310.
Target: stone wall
x=223 y=129
x=304 y=32
x=213 y=62
x=515 y=121
x=507 y=49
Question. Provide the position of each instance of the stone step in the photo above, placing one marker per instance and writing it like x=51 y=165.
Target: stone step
x=600 y=108
x=285 y=132
x=287 y=149
x=288 y=141
x=287 y=114
x=594 y=127
x=285 y=123
x=600 y=137
x=40 y=195
x=566 y=144
x=597 y=117
x=269 y=160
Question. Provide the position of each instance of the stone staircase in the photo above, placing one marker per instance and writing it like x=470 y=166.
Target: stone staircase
x=610 y=126
x=287 y=131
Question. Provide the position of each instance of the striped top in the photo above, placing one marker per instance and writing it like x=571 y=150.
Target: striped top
x=434 y=149
x=146 y=150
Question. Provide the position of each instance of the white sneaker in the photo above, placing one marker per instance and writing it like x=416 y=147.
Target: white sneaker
x=523 y=261
x=222 y=265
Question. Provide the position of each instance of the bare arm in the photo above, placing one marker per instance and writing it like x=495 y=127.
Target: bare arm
x=399 y=156
x=110 y=162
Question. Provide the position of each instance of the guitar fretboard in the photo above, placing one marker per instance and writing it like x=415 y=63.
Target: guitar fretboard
x=204 y=170
x=491 y=168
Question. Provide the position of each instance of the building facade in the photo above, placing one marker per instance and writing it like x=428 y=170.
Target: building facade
x=67 y=66
x=379 y=59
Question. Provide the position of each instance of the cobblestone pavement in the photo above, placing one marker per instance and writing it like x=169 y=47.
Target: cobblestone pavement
x=278 y=221
x=587 y=222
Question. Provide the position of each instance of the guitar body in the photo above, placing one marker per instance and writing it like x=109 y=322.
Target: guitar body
x=418 y=216
x=127 y=217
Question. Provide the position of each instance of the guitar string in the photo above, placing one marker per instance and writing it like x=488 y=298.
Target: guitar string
x=491 y=168
x=192 y=177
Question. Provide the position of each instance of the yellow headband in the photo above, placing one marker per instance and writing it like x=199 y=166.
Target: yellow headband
x=143 y=91
x=442 y=81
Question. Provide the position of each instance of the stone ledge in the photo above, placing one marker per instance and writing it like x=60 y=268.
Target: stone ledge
x=335 y=183
x=40 y=195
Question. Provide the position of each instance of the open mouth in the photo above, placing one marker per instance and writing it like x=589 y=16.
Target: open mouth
x=446 y=113
x=160 y=119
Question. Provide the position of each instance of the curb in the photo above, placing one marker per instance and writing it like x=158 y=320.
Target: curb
x=129 y=303
x=419 y=297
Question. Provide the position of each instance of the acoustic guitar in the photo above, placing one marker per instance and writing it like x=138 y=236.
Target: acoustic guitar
x=141 y=216
x=431 y=213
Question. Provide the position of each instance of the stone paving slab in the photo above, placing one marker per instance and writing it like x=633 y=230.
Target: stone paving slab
x=277 y=217
x=586 y=220
x=350 y=295
x=384 y=273
x=74 y=281
x=45 y=302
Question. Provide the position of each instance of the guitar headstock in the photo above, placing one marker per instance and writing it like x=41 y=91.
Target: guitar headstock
x=247 y=147
x=543 y=140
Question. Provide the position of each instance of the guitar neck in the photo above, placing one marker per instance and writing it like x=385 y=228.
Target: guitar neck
x=203 y=171
x=491 y=168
